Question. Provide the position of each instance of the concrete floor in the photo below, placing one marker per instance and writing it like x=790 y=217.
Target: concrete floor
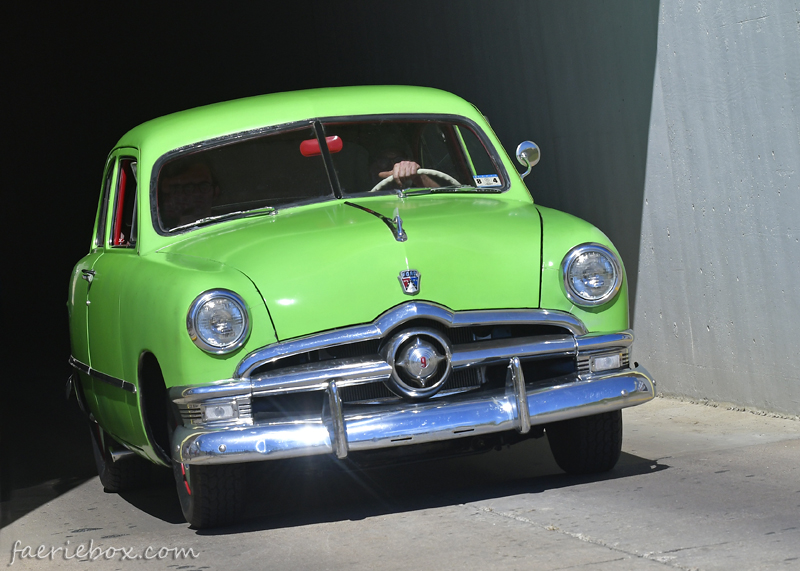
x=697 y=487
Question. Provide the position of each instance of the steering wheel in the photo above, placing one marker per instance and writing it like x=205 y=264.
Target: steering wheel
x=430 y=172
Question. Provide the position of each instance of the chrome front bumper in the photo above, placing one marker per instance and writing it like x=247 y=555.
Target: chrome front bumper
x=341 y=429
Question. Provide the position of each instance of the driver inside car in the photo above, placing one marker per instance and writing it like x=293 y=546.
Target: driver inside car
x=392 y=162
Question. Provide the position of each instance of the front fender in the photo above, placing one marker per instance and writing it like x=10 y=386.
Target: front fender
x=560 y=233
x=153 y=317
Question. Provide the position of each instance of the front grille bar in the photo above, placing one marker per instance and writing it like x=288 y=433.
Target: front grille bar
x=403 y=314
x=359 y=370
x=352 y=371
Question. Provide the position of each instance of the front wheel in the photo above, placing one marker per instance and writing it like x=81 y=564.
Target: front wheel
x=126 y=473
x=210 y=496
x=587 y=445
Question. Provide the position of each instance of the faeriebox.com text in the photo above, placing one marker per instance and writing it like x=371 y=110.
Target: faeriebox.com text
x=90 y=552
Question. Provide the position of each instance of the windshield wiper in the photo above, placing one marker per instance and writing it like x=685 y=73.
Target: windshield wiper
x=226 y=216
x=395 y=225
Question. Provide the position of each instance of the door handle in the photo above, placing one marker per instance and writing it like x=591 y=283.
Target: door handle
x=88 y=275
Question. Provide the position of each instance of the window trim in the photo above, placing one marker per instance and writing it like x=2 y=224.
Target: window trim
x=119 y=210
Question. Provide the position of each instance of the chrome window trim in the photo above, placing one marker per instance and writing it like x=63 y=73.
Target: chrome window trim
x=94 y=373
x=399 y=315
x=223 y=140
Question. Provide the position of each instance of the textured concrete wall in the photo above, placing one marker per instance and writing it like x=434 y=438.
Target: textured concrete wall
x=717 y=314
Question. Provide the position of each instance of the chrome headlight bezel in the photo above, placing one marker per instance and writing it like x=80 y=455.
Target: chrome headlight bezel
x=568 y=266
x=194 y=312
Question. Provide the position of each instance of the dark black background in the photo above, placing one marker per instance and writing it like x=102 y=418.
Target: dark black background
x=575 y=76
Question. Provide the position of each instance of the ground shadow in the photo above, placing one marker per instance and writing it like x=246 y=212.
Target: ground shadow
x=40 y=465
x=308 y=491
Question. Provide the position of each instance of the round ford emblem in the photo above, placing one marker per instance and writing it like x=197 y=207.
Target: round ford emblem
x=420 y=360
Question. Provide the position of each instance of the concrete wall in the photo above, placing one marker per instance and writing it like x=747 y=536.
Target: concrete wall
x=717 y=314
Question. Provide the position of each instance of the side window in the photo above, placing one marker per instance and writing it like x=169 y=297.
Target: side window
x=123 y=229
x=102 y=209
x=480 y=159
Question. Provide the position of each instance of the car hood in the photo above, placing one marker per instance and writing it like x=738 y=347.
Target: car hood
x=332 y=265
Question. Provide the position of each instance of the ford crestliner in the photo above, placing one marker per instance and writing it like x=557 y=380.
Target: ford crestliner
x=358 y=272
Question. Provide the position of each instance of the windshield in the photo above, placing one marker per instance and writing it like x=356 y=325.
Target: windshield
x=321 y=161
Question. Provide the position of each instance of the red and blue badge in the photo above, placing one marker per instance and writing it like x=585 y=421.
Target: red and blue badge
x=409 y=279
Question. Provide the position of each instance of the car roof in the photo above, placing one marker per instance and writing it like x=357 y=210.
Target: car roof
x=184 y=128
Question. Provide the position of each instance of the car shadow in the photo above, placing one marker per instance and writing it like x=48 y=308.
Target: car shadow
x=44 y=461
x=305 y=491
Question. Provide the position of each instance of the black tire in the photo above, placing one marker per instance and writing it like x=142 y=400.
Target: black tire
x=210 y=496
x=587 y=445
x=125 y=474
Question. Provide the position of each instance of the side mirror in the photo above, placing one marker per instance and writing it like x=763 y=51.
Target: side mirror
x=528 y=154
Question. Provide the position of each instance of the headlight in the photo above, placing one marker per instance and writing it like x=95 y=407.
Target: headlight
x=217 y=321
x=592 y=274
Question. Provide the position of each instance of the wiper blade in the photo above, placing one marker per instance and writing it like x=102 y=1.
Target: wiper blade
x=395 y=225
x=226 y=216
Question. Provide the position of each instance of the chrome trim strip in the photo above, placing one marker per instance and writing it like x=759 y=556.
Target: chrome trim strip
x=517 y=381
x=338 y=432
x=457 y=416
x=219 y=389
x=499 y=350
x=399 y=315
x=94 y=373
x=315 y=376
x=605 y=341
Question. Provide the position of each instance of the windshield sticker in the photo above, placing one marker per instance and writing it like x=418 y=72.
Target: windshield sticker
x=487 y=180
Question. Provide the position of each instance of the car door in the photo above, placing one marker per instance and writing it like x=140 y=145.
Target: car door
x=81 y=284
x=114 y=386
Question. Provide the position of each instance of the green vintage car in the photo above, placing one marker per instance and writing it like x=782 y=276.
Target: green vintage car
x=358 y=272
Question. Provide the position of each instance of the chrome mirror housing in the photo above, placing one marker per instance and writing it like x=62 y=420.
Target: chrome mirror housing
x=528 y=154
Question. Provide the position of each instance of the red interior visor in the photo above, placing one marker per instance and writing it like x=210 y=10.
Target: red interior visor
x=310 y=147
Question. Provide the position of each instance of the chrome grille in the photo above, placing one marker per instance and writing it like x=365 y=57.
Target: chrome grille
x=245 y=407
x=465 y=379
x=190 y=413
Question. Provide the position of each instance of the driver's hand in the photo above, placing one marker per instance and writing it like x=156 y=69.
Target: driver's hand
x=402 y=173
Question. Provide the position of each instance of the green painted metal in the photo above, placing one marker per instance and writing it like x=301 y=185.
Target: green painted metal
x=561 y=232
x=308 y=268
x=331 y=265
